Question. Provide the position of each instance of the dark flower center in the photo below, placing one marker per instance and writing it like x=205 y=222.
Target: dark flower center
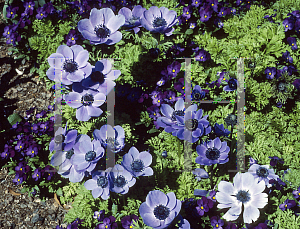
x=243 y=196
x=112 y=142
x=158 y=22
x=232 y=84
x=120 y=181
x=281 y=87
x=59 y=138
x=161 y=212
x=179 y=113
x=137 y=166
x=89 y=156
x=69 y=153
x=231 y=119
x=197 y=95
x=212 y=153
x=87 y=99
x=102 y=181
x=98 y=77
x=262 y=172
x=191 y=124
x=102 y=31
x=70 y=66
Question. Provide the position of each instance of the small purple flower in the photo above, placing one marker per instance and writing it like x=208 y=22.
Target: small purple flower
x=173 y=69
x=137 y=163
x=120 y=179
x=213 y=152
x=170 y=96
x=102 y=26
x=262 y=172
x=179 y=86
x=99 y=185
x=223 y=12
x=270 y=18
x=132 y=18
x=153 y=112
x=19 y=178
x=287 y=204
x=20 y=146
x=286 y=56
x=187 y=12
x=13 y=38
x=37 y=174
x=292 y=42
x=216 y=222
x=218 y=22
x=271 y=72
x=204 y=205
x=22 y=167
x=160 y=209
x=11 y=11
x=233 y=11
x=109 y=137
x=196 y=3
x=99 y=215
x=205 y=14
x=193 y=25
x=71 y=37
x=200 y=173
x=288 y=24
x=212 y=195
x=278 y=183
x=161 y=82
x=108 y=223
x=219 y=130
x=32 y=150
x=202 y=55
x=297 y=26
x=48 y=172
x=128 y=221
x=41 y=13
x=158 y=99
x=231 y=85
x=87 y=103
x=274 y=161
x=102 y=77
x=159 y=20
x=231 y=226
x=29 y=7
x=296 y=193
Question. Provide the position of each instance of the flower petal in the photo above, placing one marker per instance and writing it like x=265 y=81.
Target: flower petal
x=114 y=38
x=96 y=17
x=82 y=114
x=56 y=60
x=73 y=99
x=250 y=213
x=66 y=51
x=85 y=25
x=94 y=111
x=115 y=23
x=82 y=58
x=155 y=198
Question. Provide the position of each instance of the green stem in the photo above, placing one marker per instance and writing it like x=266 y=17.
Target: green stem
x=211 y=176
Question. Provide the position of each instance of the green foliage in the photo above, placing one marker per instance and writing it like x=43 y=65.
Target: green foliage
x=287 y=219
x=84 y=207
x=129 y=137
x=293 y=176
x=132 y=207
x=69 y=192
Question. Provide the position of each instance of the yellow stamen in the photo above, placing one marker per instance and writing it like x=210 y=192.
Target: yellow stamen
x=158 y=101
x=72 y=38
x=170 y=97
x=20 y=147
x=32 y=151
x=42 y=14
x=29 y=6
x=37 y=175
x=18 y=179
x=201 y=207
x=286 y=26
x=173 y=70
x=11 y=12
x=212 y=4
x=293 y=44
x=20 y=169
x=205 y=16
x=270 y=73
x=7 y=32
x=182 y=87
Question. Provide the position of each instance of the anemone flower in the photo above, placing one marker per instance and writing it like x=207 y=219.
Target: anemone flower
x=160 y=209
x=159 y=20
x=70 y=64
x=245 y=191
x=132 y=18
x=102 y=26
x=262 y=172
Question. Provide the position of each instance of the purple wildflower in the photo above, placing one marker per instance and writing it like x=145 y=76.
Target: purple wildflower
x=287 y=204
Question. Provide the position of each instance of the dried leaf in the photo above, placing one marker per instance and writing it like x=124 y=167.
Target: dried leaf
x=13 y=192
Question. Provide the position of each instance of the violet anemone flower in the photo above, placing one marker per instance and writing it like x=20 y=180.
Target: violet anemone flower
x=231 y=85
x=63 y=138
x=159 y=20
x=169 y=113
x=101 y=78
x=198 y=93
x=86 y=155
x=114 y=140
x=99 y=185
x=120 y=179
x=132 y=18
x=213 y=152
x=192 y=126
x=262 y=172
x=87 y=103
x=160 y=209
x=70 y=64
x=102 y=26
x=137 y=163
x=246 y=191
x=220 y=130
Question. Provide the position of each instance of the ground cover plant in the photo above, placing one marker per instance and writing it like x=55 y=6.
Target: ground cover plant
x=172 y=159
